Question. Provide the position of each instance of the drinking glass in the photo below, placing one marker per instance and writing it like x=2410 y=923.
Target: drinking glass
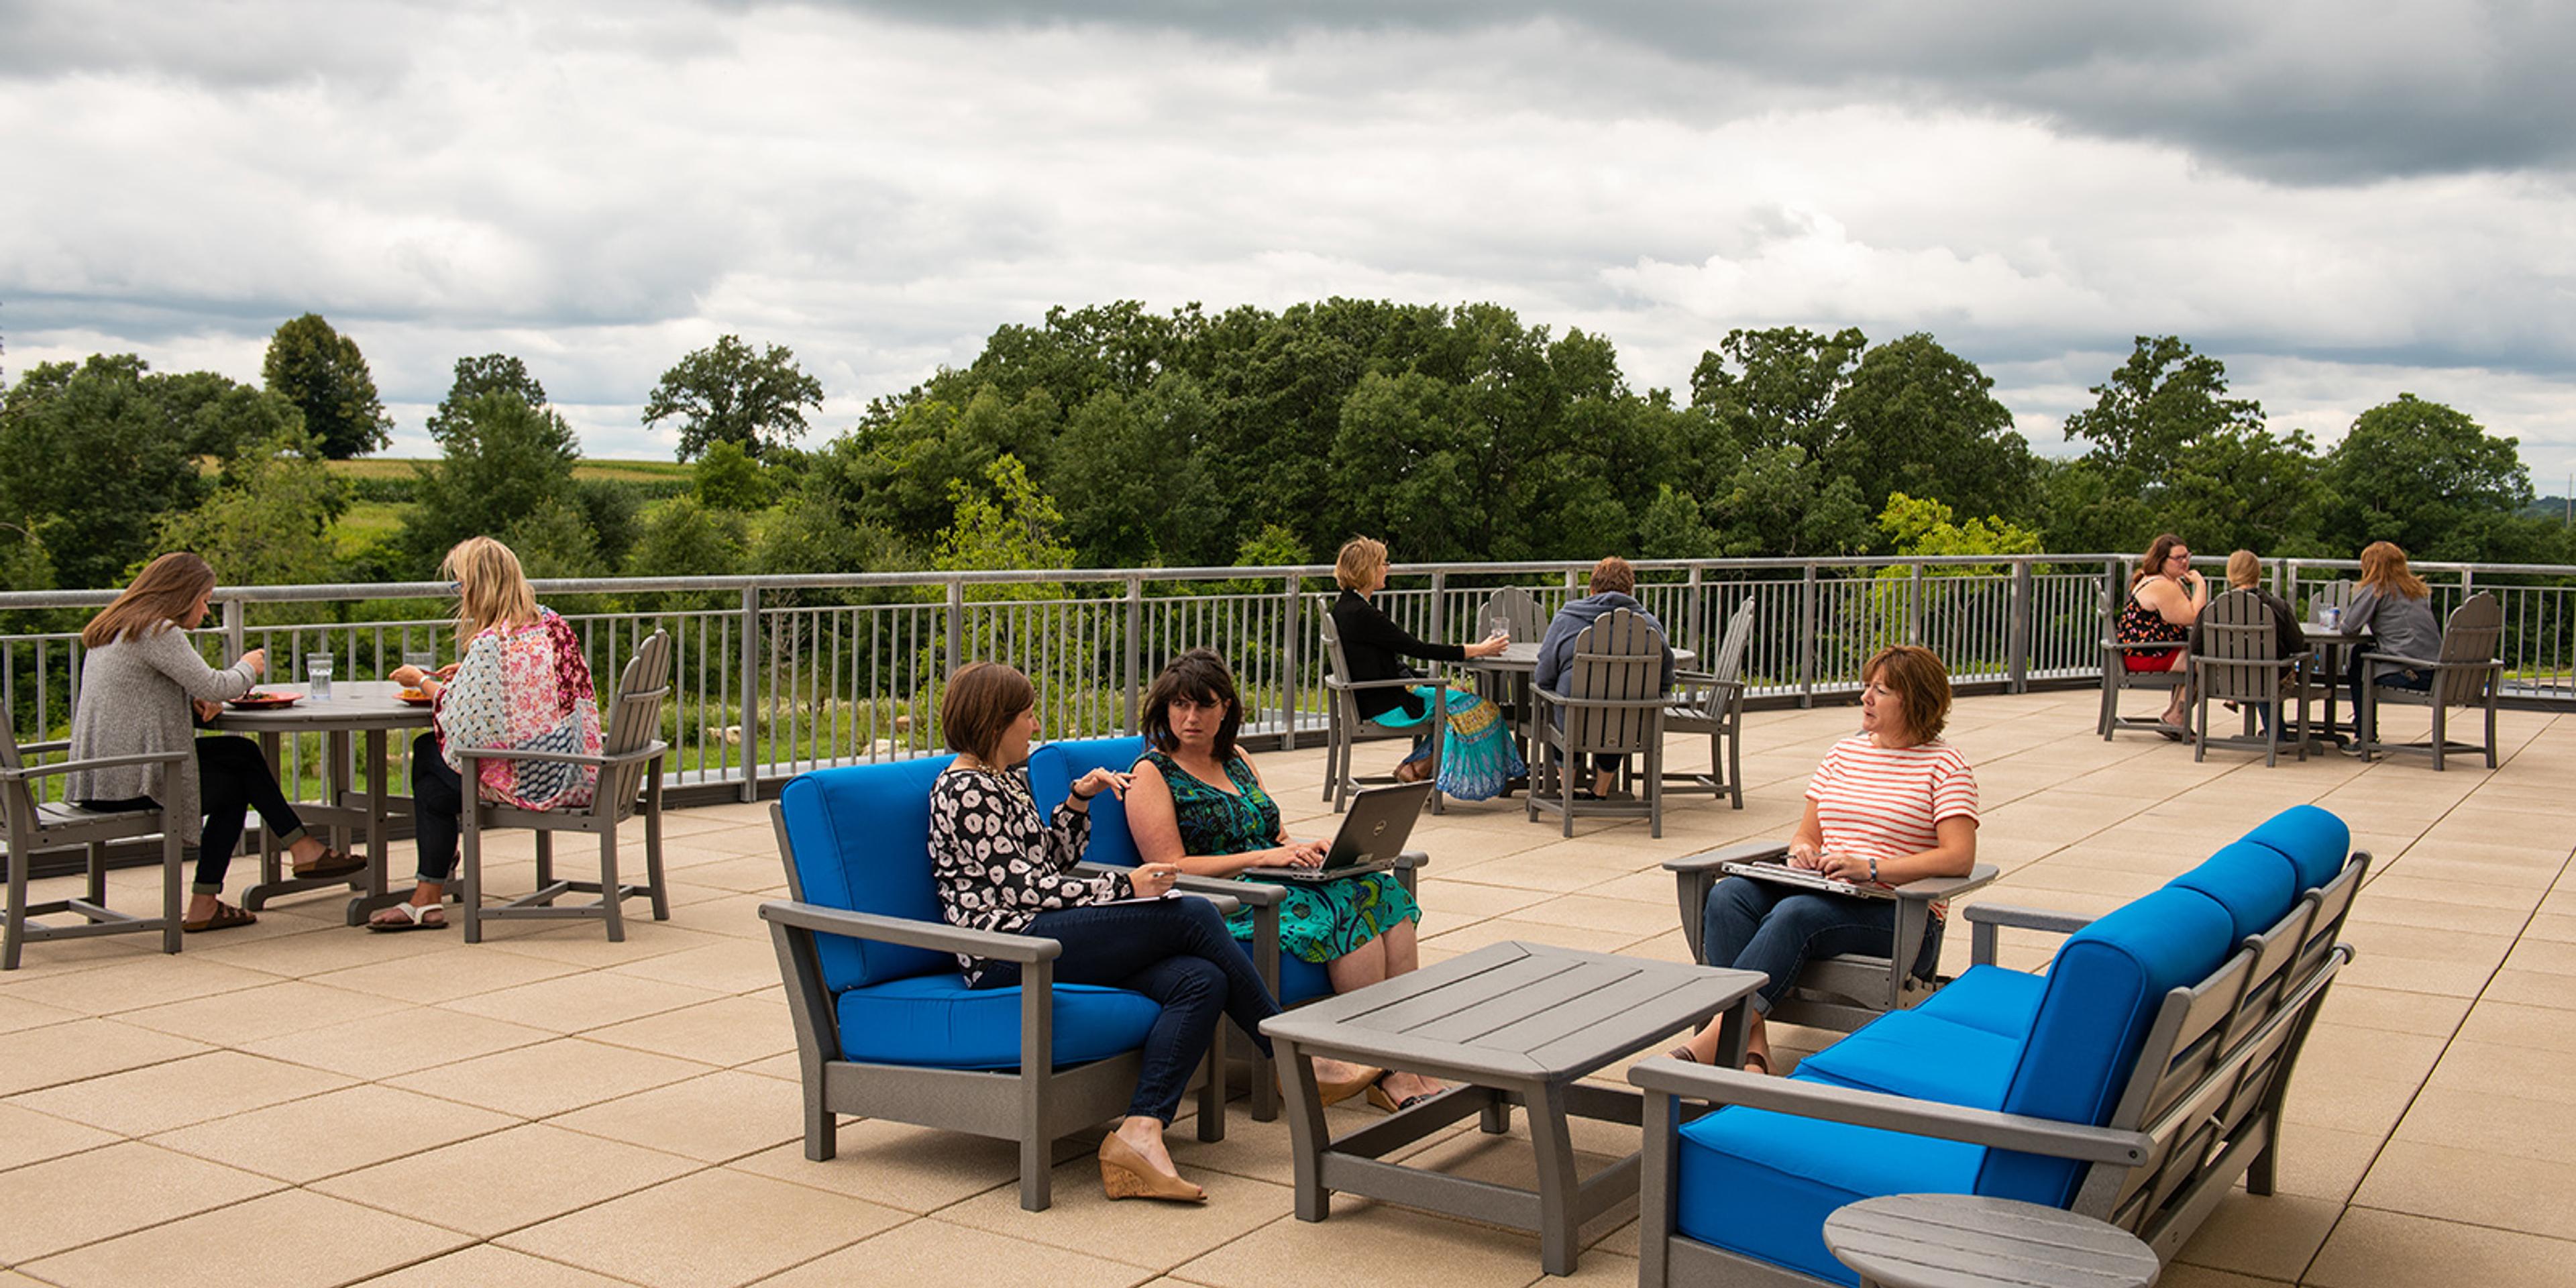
x=425 y=659
x=317 y=674
x=1499 y=627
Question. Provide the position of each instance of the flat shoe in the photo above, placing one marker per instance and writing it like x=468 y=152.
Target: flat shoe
x=1124 y=1174
x=332 y=864
x=411 y=916
x=225 y=917
x=1334 y=1093
x=1379 y=1097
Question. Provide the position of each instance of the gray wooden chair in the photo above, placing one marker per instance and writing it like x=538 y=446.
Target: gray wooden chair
x=1711 y=701
x=2236 y=657
x=2467 y=674
x=2117 y=678
x=35 y=825
x=1345 y=727
x=1613 y=705
x=630 y=763
x=1519 y=612
x=1518 y=608
x=1840 y=993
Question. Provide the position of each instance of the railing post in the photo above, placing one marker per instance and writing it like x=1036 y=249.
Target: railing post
x=956 y=627
x=1914 y=606
x=1135 y=651
x=2017 y=632
x=1806 y=638
x=1289 y=681
x=750 y=693
x=2111 y=606
x=236 y=633
x=1694 y=597
x=1439 y=607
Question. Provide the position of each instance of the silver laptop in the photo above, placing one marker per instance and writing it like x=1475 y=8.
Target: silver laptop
x=1783 y=874
x=1372 y=834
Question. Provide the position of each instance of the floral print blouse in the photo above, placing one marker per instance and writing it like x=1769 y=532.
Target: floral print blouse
x=523 y=688
x=996 y=867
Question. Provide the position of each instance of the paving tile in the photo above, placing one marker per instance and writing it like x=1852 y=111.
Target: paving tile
x=231 y=1019
x=67 y=1053
x=1157 y=1236
x=1360 y=1240
x=339 y=948
x=158 y=1097
x=30 y=1137
x=397 y=1042
x=579 y=1001
x=931 y=1251
x=713 y=1118
x=2530 y=988
x=508 y=1179
x=585 y=945
x=2398 y=1012
x=709 y=1229
x=131 y=985
x=2473 y=1187
x=2375 y=1249
x=726 y=1031
x=59 y=1204
x=458 y=971
x=22 y=1013
x=551 y=1077
x=2272 y=1237
x=485 y=1266
x=916 y=1169
x=339 y=1131
x=291 y=1239
x=2505 y=1070
x=725 y=965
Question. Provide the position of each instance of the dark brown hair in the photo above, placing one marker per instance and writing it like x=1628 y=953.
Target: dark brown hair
x=2157 y=551
x=1612 y=574
x=981 y=700
x=1920 y=682
x=167 y=587
x=1200 y=676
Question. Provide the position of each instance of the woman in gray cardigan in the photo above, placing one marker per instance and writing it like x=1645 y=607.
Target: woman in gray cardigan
x=140 y=683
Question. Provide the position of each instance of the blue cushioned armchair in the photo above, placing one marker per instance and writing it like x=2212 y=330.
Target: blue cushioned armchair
x=885 y=1024
x=2134 y=1081
x=1052 y=771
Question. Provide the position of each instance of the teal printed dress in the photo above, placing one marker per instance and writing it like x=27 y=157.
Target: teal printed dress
x=1319 y=920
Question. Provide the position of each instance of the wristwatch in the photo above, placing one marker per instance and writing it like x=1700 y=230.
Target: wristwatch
x=1873 y=868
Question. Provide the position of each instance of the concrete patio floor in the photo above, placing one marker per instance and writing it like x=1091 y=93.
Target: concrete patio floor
x=301 y=1104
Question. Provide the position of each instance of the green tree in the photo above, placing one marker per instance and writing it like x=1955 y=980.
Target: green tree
x=683 y=538
x=491 y=373
x=504 y=460
x=269 y=523
x=1674 y=527
x=1924 y=526
x=2427 y=477
x=1778 y=504
x=729 y=479
x=726 y=392
x=1918 y=419
x=2157 y=406
x=323 y=374
x=90 y=464
x=1782 y=390
x=1008 y=523
x=555 y=540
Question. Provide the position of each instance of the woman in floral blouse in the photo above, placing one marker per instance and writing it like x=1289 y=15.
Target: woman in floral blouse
x=999 y=868
x=524 y=686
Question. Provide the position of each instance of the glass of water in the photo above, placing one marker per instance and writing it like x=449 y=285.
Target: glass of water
x=425 y=659
x=317 y=674
x=1499 y=627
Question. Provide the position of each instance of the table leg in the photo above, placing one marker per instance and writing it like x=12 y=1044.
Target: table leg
x=365 y=905
x=1553 y=1137
x=1734 y=1034
x=275 y=878
x=1307 y=1135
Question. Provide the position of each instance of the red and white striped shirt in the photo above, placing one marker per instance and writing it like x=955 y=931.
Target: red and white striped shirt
x=1885 y=803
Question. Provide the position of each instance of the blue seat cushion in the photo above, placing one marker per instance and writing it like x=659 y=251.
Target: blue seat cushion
x=1993 y=998
x=935 y=1020
x=2256 y=884
x=1761 y=1184
x=1299 y=980
x=2312 y=838
x=2103 y=992
x=1055 y=768
x=1908 y=1053
x=858 y=839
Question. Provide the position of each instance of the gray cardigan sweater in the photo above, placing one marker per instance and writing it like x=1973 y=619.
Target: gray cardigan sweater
x=134 y=699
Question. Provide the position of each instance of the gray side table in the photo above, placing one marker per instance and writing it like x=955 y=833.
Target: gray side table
x=1963 y=1241
x=1514 y=1024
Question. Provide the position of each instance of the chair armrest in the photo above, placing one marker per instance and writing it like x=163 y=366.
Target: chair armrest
x=1412 y=860
x=1987 y=920
x=2431 y=664
x=44 y=748
x=1226 y=893
x=33 y=772
x=1931 y=888
x=1740 y=852
x=645 y=752
x=2018 y=1132
x=936 y=936
x=1405 y=682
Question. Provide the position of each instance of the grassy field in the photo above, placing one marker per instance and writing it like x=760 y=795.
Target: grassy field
x=370 y=521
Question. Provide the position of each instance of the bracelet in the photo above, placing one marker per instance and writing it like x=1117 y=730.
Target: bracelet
x=1080 y=795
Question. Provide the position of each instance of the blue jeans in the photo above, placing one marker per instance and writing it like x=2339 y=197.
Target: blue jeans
x=1776 y=928
x=1175 y=951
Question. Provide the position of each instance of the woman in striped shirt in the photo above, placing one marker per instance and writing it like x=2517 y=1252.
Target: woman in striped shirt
x=1890 y=804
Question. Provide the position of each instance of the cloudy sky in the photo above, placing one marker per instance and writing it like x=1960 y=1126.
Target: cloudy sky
x=2342 y=202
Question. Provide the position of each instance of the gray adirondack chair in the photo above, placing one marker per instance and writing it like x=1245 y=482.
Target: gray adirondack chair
x=1515 y=606
x=35 y=825
x=629 y=763
x=2465 y=675
x=1345 y=727
x=1613 y=705
x=2329 y=594
x=2117 y=678
x=1711 y=701
x=2238 y=659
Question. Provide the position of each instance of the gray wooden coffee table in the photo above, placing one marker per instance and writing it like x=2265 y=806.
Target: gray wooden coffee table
x=1511 y=1023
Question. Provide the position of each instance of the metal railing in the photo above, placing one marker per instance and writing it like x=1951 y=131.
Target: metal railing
x=776 y=675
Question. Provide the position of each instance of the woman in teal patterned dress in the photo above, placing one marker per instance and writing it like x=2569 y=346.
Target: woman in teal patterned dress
x=1196 y=800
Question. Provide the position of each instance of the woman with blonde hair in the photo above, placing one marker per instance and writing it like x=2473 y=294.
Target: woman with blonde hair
x=1478 y=759
x=2395 y=608
x=140 y=683
x=523 y=685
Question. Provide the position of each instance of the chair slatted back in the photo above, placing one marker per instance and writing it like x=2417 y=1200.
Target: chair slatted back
x=1518 y=608
x=1619 y=659
x=1728 y=665
x=2240 y=648
x=2474 y=635
x=1346 y=704
x=2181 y=1050
x=2332 y=594
x=636 y=719
x=16 y=801
x=2334 y=902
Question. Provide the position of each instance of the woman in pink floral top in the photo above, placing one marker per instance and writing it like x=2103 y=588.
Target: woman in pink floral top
x=524 y=686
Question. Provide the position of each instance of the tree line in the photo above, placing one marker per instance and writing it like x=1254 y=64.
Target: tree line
x=1113 y=435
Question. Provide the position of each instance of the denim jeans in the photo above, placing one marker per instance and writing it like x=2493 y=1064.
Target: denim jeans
x=437 y=809
x=1175 y=951
x=232 y=779
x=1776 y=928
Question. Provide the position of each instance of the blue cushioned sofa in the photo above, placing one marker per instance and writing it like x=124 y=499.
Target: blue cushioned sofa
x=2133 y=1080
x=885 y=1025
x=1052 y=771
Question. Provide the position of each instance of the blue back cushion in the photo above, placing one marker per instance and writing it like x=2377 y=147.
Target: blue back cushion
x=2312 y=838
x=858 y=838
x=2254 y=883
x=1054 y=769
x=2103 y=993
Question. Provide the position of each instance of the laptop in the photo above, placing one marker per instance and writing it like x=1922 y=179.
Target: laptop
x=1372 y=834
x=1783 y=874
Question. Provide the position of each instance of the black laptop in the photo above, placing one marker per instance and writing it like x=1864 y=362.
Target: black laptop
x=1373 y=833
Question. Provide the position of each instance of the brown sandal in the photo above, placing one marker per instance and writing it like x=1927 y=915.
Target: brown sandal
x=1752 y=1058
x=225 y=917
x=332 y=864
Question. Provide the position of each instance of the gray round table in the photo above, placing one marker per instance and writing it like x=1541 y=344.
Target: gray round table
x=368 y=707
x=1964 y=1241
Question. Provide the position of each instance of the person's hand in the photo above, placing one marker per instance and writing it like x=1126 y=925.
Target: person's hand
x=408 y=676
x=1302 y=854
x=207 y=709
x=2192 y=579
x=1803 y=855
x=256 y=660
x=445 y=673
x=1488 y=646
x=1153 y=880
x=1101 y=780
x=1843 y=867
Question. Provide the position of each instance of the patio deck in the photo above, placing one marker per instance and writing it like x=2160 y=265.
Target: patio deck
x=301 y=1104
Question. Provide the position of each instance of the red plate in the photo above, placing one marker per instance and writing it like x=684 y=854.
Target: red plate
x=267 y=700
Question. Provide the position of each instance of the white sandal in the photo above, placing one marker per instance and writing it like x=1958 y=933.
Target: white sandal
x=415 y=917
